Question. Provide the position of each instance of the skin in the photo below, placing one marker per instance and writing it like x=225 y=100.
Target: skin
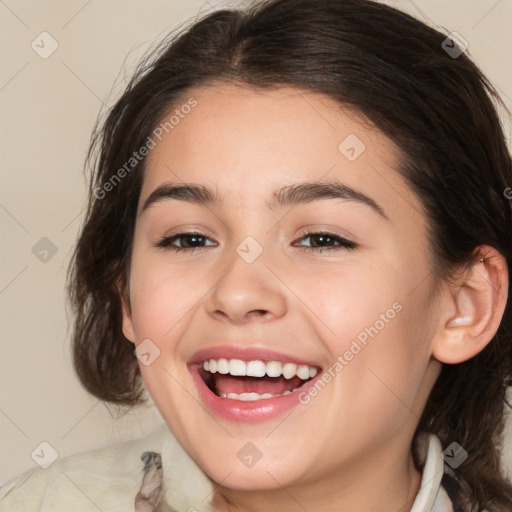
x=355 y=435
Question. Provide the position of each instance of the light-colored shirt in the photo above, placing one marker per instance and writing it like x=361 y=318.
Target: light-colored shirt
x=156 y=468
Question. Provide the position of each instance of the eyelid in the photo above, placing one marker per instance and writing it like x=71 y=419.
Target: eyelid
x=329 y=229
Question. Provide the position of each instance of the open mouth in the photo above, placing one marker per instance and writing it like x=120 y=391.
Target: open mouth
x=254 y=380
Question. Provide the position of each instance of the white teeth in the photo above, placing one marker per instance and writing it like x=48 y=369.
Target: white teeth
x=248 y=397
x=274 y=369
x=255 y=368
x=303 y=372
x=289 y=370
x=252 y=397
x=236 y=367
x=223 y=366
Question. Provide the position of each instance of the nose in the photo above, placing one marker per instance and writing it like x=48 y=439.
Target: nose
x=247 y=292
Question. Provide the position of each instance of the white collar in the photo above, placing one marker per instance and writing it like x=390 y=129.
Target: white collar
x=431 y=496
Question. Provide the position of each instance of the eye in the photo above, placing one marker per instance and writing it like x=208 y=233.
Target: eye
x=193 y=241
x=323 y=241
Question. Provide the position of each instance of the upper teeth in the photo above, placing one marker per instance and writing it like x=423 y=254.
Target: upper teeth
x=237 y=367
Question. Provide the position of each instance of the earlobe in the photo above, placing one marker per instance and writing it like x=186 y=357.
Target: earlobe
x=478 y=299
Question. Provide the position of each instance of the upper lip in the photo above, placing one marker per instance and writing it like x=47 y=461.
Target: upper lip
x=247 y=354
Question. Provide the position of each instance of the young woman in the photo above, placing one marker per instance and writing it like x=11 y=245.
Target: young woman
x=298 y=240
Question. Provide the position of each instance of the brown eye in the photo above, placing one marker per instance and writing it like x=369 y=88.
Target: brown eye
x=323 y=241
x=186 y=242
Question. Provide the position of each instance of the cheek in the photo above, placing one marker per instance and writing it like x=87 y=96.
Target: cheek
x=377 y=330
x=345 y=299
x=384 y=379
x=161 y=296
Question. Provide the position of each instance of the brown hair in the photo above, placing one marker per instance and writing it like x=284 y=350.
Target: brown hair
x=392 y=69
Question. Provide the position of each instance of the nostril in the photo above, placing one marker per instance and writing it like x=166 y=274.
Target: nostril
x=258 y=312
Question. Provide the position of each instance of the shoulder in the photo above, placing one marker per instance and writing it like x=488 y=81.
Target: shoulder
x=106 y=478
x=24 y=492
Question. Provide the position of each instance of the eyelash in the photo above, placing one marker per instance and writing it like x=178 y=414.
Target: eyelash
x=166 y=242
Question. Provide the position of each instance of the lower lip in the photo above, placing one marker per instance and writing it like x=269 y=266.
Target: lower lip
x=247 y=412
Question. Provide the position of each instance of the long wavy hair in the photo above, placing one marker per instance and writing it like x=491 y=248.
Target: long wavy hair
x=395 y=71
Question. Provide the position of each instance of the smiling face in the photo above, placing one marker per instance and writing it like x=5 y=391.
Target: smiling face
x=330 y=284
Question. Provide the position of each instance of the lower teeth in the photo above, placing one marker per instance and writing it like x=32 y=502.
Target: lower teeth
x=252 y=397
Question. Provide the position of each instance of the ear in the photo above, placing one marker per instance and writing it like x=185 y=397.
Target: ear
x=473 y=308
x=126 y=313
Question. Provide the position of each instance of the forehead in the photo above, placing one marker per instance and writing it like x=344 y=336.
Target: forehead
x=246 y=143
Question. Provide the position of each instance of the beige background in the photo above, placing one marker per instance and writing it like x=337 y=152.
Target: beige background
x=47 y=110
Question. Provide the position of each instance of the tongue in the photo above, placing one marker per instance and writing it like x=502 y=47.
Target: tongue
x=261 y=385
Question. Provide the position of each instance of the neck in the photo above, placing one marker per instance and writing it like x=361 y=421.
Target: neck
x=385 y=482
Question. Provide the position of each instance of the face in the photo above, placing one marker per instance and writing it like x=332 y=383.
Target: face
x=288 y=325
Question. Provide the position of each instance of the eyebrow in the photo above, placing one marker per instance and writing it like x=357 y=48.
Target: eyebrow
x=288 y=195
